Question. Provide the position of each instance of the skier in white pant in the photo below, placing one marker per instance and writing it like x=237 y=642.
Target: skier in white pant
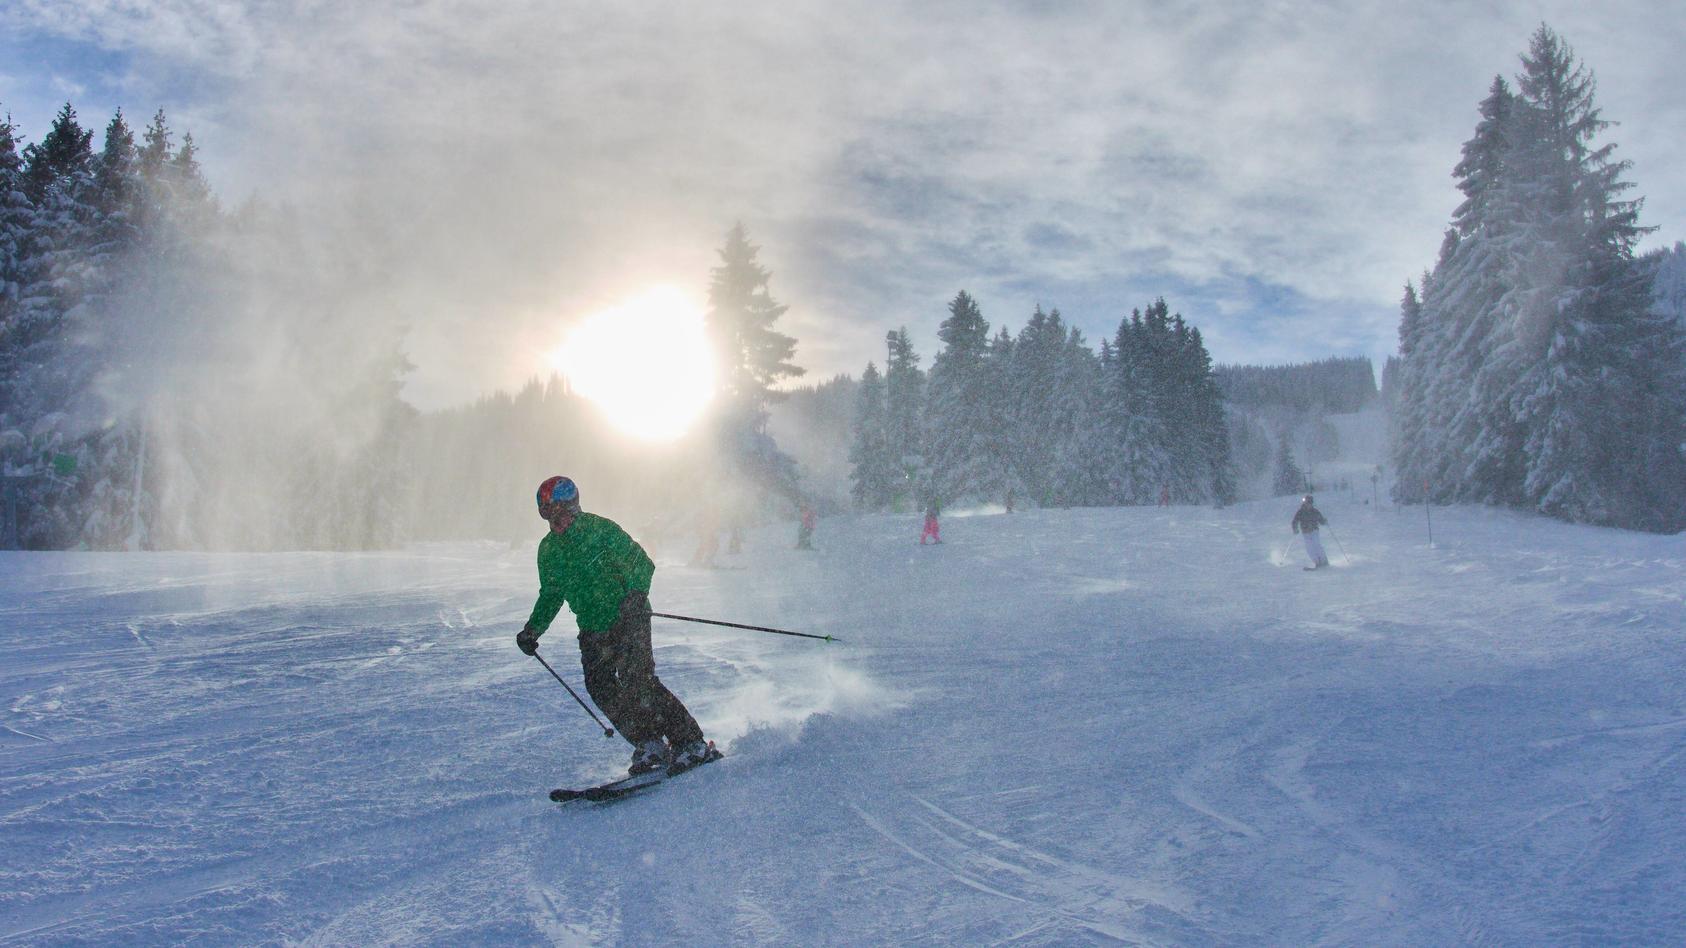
x=1305 y=523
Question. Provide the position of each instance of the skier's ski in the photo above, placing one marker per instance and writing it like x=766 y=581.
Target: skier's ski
x=627 y=786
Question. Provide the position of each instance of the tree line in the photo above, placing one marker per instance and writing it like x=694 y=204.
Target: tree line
x=1039 y=418
x=1537 y=369
x=1333 y=386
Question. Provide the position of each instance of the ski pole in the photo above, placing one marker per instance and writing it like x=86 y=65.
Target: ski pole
x=739 y=625
x=607 y=731
x=1340 y=544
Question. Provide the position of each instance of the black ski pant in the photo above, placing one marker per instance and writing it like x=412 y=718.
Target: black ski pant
x=620 y=675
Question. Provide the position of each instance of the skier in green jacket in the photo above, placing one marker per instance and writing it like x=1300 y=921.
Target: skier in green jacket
x=603 y=575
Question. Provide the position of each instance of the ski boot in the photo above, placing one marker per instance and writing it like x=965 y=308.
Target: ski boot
x=649 y=756
x=694 y=754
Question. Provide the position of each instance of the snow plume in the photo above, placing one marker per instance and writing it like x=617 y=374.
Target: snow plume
x=263 y=380
x=774 y=702
x=981 y=510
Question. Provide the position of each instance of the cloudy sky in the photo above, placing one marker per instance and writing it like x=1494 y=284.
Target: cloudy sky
x=1276 y=170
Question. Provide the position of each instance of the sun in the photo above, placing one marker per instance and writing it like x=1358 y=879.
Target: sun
x=645 y=363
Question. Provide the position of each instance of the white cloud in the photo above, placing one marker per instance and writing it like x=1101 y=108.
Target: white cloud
x=522 y=163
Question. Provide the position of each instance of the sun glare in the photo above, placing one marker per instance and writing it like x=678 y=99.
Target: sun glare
x=645 y=363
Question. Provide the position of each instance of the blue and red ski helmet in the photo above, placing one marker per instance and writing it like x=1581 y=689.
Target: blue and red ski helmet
x=558 y=491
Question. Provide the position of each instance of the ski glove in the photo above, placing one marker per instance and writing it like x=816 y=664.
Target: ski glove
x=636 y=604
x=527 y=640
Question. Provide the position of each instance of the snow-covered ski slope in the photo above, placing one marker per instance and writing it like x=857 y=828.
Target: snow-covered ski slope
x=1059 y=727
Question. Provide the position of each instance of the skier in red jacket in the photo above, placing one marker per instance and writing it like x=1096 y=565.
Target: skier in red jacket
x=932 y=531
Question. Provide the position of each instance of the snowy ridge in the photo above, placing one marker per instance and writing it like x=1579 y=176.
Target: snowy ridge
x=1138 y=725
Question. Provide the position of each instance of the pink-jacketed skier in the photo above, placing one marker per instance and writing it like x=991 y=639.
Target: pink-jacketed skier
x=932 y=531
x=805 y=530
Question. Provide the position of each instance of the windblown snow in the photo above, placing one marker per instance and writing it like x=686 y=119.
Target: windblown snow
x=1141 y=725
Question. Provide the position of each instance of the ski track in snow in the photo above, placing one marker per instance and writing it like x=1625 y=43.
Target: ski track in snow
x=1139 y=726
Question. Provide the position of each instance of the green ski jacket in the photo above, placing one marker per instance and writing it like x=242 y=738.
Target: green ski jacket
x=591 y=566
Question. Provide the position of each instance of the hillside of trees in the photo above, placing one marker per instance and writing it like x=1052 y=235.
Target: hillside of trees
x=1039 y=418
x=1329 y=386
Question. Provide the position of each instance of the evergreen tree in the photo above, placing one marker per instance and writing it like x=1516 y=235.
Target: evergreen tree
x=1034 y=407
x=1208 y=422
x=997 y=444
x=904 y=403
x=16 y=217
x=1406 y=414
x=754 y=357
x=1139 y=461
x=873 y=472
x=958 y=403
x=1287 y=478
x=63 y=153
x=1078 y=469
x=1579 y=302
x=153 y=160
x=51 y=332
x=741 y=314
x=1472 y=447
x=116 y=171
x=190 y=191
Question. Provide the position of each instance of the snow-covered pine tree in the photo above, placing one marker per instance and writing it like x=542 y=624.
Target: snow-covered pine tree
x=1578 y=301
x=997 y=445
x=741 y=313
x=1141 y=465
x=904 y=408
x=1410 y=450
x=1668 y=285
x=51 y=330
x=16 y=218
x=753 y=357
x=1208 y=424
x=1176 y=378
x=957 y=402
x=1664 y=382
x=1082 y=466
x=1286 y=478
x=1033 y=405
x=1473 y=446
x=117 y=506
x=873 y=473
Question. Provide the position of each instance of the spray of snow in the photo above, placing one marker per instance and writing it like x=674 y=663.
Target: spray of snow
x=782 y=700
x=983 y=510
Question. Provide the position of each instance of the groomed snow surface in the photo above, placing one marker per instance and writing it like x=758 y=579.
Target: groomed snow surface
x=1059 y=727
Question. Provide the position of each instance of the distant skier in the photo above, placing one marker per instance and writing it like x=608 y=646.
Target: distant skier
x=1164 y=496
x=1305 y=523
x=932 y=531
x=708 y=543
x=603 y=575
x=805 y=530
